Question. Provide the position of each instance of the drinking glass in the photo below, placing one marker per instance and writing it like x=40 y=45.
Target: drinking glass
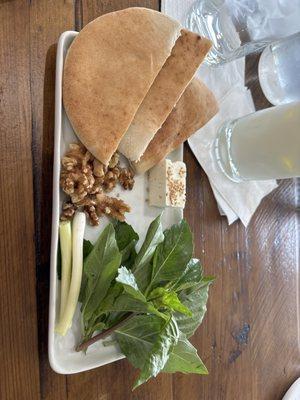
x=279 y=70
x=240 y=27
x=262 y=145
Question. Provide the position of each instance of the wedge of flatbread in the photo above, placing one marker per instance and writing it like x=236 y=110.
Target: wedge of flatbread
x=108 y=70
x=195 y=108
x=187 y=54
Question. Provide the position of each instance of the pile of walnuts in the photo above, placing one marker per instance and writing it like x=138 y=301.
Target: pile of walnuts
x=86 y=181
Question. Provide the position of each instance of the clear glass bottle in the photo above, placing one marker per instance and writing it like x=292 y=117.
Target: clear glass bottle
x=240 y=27
x=279 y=70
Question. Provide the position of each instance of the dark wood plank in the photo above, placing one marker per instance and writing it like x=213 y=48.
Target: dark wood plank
x=115 y=381
x=19 y=371
x=92 y=9
x=249 y=338
x=47 y=21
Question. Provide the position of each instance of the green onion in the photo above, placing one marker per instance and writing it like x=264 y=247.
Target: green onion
x=65 y=235
x=78 y=227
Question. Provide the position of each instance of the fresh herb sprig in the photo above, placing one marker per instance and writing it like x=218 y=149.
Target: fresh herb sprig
x=152 y=301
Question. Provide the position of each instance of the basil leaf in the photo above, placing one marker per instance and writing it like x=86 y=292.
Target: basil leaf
x=137 y=336
x=168 y=299
x=160 y=352
x=100 y=268
x=147 y=341
x=128 y=303
x=87 y=248
x=133 y=299
x=113 y=293
x=195 y=300
x=125 y=234
x=173 y=254
x=184 y=358
x=141 y=267
x=124 y=296
x=190 y=277
x=129 y=262
x=127 y=279
x=126 y=238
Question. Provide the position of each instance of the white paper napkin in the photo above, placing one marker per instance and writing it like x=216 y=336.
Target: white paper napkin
x=235 y=200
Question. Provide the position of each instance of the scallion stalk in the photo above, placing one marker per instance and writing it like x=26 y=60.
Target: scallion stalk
x=78 y=227
x=65 y=236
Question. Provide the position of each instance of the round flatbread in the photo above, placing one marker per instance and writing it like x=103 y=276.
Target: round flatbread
x=108 y=70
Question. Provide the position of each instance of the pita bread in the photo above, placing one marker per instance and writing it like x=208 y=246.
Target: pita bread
x=195 y=108
x=109 y=68
x=187 y=54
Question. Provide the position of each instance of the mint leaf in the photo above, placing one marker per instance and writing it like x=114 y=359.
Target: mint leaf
x=172 y=255
x=160 y=352
x=184 y=358
x=162 y=298
x=100 y=268
x=141 y=267
x=195 y=300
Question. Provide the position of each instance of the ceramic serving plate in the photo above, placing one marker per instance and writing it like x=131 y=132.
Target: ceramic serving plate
x=62 y=356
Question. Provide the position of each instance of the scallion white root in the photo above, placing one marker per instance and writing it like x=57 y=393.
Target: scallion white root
x=78 y=227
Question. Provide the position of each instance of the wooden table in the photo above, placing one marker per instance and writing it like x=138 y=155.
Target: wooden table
x=249 y=339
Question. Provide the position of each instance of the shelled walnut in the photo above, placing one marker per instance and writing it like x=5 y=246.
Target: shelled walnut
x=68 y=210
x=83 y=177
x=126 y=178
x=92 y=214
x=111 y=206
x=111 y=179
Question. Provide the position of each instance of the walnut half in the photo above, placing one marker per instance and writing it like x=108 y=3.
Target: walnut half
x=111 y=206
x=68 y=210
x=126 y=178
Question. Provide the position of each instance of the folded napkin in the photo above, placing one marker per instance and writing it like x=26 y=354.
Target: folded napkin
x=235 y=200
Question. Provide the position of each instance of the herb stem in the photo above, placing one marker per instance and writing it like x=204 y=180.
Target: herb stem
x=85 y=344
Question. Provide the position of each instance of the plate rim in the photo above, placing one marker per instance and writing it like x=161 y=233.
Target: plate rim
x=55 y=211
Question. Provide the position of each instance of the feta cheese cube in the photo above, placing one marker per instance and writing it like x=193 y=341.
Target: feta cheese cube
x=167 y=184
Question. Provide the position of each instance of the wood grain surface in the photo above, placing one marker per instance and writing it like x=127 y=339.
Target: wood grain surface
x=249 y=338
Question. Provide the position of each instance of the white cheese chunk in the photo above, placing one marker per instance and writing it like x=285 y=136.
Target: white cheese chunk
x=167 y=184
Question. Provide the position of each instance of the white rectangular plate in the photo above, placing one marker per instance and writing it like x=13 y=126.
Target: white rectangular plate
x=62 y=356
